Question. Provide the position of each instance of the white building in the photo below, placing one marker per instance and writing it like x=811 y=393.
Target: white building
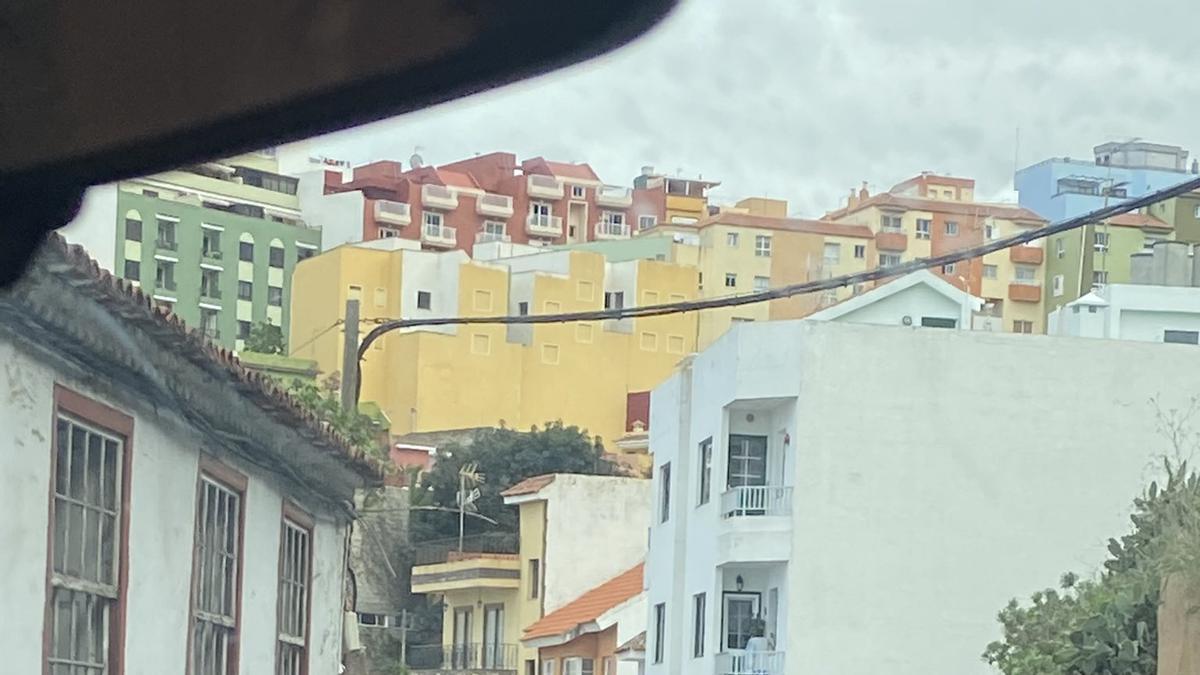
x=1160 y=304
x=167 y=510
x=921 y=298
x=875 y=495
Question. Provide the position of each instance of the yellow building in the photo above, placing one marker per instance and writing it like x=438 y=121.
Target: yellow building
x=449 y=377
x=932 y=215
x=574 y=533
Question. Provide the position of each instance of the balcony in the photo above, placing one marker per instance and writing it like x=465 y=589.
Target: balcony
x=609 y=230
x=485 y=237
x=741 y=662
x=755 y=524
x=440 y=236
x=1025 y=291
x=891 y=240
x=480 y=561
x=438 y=197
x=540 y=225
x=546 y=187
x=499 y=206
x=614 y=195
x=756 y=500
x=1026 y=255
x=394 y=213
x=471 y=657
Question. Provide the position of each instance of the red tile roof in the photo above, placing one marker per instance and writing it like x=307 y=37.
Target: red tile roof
x=1139 y=220
x=589 y=606
x=1005 y=211
x=529 y=485
x=456 y=179
x=787 y=224
x=635 y=644
x=564 y=169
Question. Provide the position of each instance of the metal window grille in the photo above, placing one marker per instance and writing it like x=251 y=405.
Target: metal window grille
x=214 y=590
x=293 y=599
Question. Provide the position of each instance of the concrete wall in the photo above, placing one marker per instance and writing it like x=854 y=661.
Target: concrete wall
x=164 y=466
x=921 y=504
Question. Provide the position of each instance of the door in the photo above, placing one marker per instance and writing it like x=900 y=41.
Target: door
x=740 y=611
x=747 y=468
x=493 y=636
x=577 y=222
x=461 y=650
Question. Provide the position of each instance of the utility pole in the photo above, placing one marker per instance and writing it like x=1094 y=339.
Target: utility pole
x=350 y=357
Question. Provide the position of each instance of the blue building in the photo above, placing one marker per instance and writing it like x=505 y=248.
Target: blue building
x=1062 y=187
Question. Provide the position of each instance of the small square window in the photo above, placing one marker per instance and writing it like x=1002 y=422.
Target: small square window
x=647 y=222
x=481 y=344
x=424 y=300
x=649 y=341
x=614 y=299
x=245 y=290
x=578 y=191
x=246 y=251
x=990 y=272
x=762 y=246
x=274 y=296
x=481 y=300
x=649 y=298
x=522 y=309
x=583 y=332
x=675 y=344
x=585 y=290
x=133 y=270
x=730 y=280
x=951 y=228
x=552 y=306
x=860 y=251
x=762 y=283
x=550 y=354
x=731 y=239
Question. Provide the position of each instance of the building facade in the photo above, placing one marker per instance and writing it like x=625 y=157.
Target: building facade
x=173 y=512
x=930 y=215
x=494 y=589
x=452 y=377
x=215 y=243
x=814 y=518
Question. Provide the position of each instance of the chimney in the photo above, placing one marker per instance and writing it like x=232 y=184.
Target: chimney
x=863 y=194
x=852 y=201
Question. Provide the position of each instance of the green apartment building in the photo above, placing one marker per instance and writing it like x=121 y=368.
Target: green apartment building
x=215 y=242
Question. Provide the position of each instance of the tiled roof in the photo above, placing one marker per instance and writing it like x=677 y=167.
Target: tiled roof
x=457 y=179
x=566 y=170
x=787 y=224
x=637 y=643
x=128 y=304
x=1139 y=220
x=1005 y=211
x=529 y=485
x=589 y=606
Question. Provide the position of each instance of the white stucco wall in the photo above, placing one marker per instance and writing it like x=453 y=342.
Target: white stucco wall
x=921 y=502
x=339 y=215
x=1133 y=312
x=95 y=226
x=165 y=462
x=437 y=273
x=595 y=530
x=915 y=302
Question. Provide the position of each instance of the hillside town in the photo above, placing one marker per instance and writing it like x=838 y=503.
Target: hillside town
x=281 y=413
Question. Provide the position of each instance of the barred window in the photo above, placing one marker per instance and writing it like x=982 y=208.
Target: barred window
x=294 y=584
x=215 y=578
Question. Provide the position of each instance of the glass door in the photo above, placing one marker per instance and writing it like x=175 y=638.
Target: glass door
x=739 y=613
x=460 y=652
x=493 y=636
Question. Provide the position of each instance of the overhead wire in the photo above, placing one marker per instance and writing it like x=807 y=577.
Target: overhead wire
x=790 y=289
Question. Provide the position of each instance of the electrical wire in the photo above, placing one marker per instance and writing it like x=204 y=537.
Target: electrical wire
x=316 y=337
x=791 y=289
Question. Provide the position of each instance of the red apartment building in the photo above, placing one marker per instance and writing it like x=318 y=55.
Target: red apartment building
x=493 y=198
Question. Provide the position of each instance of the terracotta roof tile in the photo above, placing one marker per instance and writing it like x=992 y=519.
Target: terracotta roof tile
x=529 y=485
x=564 y=169
x=1006 y=211
x=589 y=606
x=788 y=224
x=456 y=179
x=1139 y=220
x=637 y=643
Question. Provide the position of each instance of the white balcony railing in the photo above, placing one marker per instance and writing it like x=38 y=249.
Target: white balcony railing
x=439 y=197
x=609 y=230
x=544 y=186
x=396 y=213
x=749 y=663
x=484 y=237
x=756 y=500
x=614 y=195
x=543 y=226
x=489 y=204
x=439 y=235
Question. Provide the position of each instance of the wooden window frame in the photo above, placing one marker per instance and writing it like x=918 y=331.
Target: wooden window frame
x=237 y=482
x=120 y=424
x=303 y=520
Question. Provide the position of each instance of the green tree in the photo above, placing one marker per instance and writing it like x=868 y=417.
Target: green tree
x=504 y=457
x=361 y=431
x=266 y=338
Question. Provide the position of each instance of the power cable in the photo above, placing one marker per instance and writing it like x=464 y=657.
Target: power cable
x=791 y=289
x=316 y=337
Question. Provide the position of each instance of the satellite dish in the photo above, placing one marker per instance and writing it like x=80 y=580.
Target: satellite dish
x=415 y=161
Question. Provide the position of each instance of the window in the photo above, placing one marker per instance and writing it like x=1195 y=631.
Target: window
x=150 y=193
x=731 y=239
x=576 y=665
x=210 y=242
x=381 y=297
x=706 y=451
x=245 y=290
x=433 y=222
x=730 y=280
x=832 y=253
x=949 y=268
x=523 y=309
x=924 y=225
x=424 y=300
x=275 y=296
x=860 y=251
x=747 y=460
x=166 y=235
x=210 y=284
x=762 y=283
x=216 y=572
x=243 y=330
x=275 y=256
x=889 y=259
x=1078 y=186
x=990 y=231
x=1182 y=337
x=584 y=332
x=1100 y=241
x=649 y=298
x=614 y=299
x=133 y=270
x=951 y=228
x=481 y=300
x=990 y=272
x=1020 y=326
x=493 y=230
x=208 y=322
x=295 y=579
x=578 y=191
x=762 y=246
x=610 y=665
x=1056 y=285
x=535 y=578
x=548 y=667
x=675 y=344
x=647 y=222
x=664 y=486
x=1099 y=277
x=890 y=223
x=540 y=210
x=83 y=618
x=133 y=229
x=698 y=601
x=1025 y=274
x=304 y=253
x=649 y=341
x=164 y=275
x=1060 y=248
x=246 y=251
x=938 y=322
x=660 y=631
x=388 y=233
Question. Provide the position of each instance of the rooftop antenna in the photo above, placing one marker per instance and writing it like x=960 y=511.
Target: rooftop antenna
x=415 y=161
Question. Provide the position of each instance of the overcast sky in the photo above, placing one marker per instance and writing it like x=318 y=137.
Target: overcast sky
x=802 y=99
